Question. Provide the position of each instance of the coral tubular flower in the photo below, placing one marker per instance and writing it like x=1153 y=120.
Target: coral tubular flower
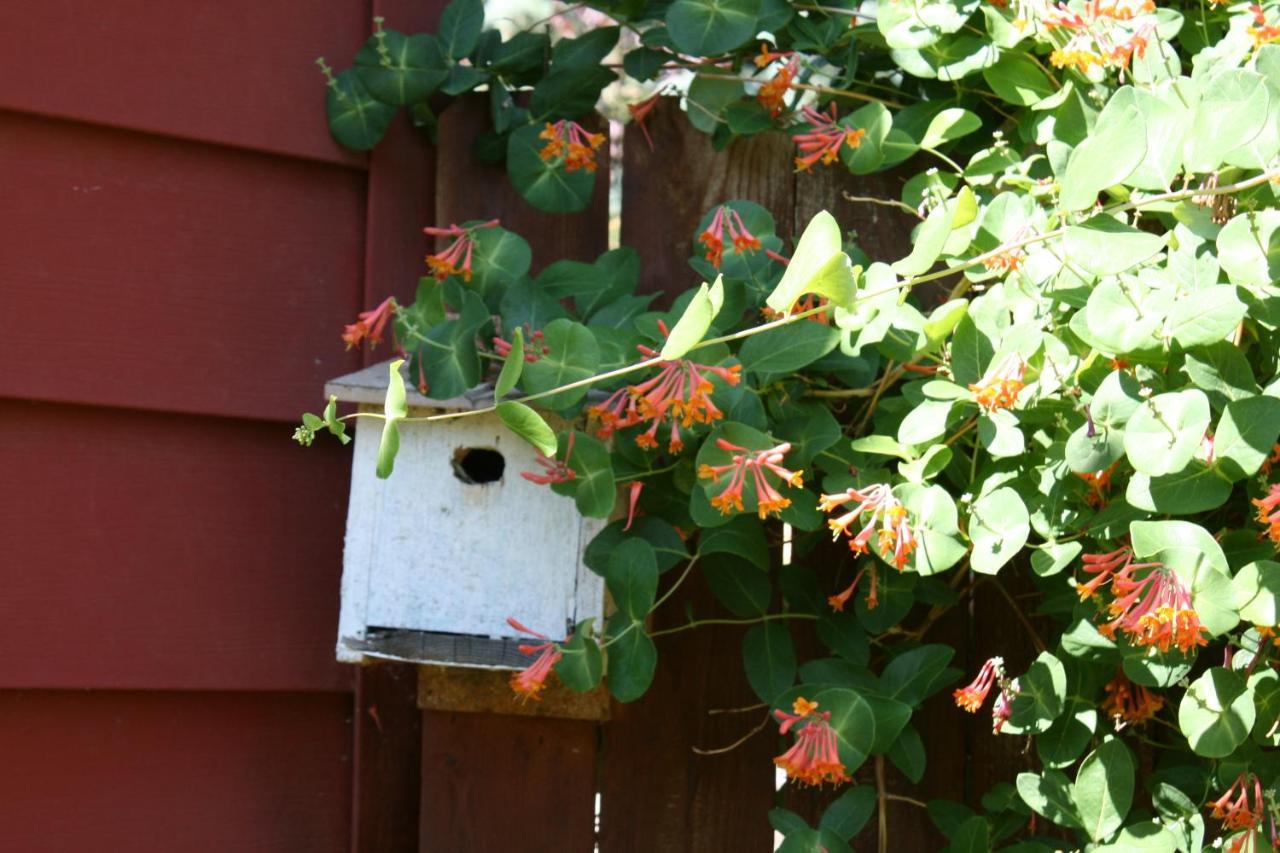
x=1128 y=703
x=755 y=463
x=1099 y=483
x=456 y=259
x=823 y=142
x=369 y=324
x=971 y=696
x=570 y=142
x=534 y=347
x=553 y=470
x=895 y=539
x=766 y=57
x=726 y=219
x=633 y=497
x=680 y=393
x=999 y=388
x=1236 y=812
x=1002 y=710
x=1269 y=513
x=1102 y=567
x=640 y=114
x=838 y=601
x=530 y=681
x=1154 y=610
x=815 y=756
x=772 y=95
x=1260 y=30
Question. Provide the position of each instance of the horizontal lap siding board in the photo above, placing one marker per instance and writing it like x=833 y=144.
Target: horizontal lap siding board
x=157 y=551
x=233 y=72
x=163 y=772
x=492 y=782
x=148 y=273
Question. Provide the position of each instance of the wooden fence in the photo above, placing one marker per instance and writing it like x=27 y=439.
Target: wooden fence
x=656 y=789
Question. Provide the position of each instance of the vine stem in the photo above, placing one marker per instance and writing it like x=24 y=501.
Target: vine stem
x=768 y=617
x=737 y=743
x=688 y=568
x=882 y=803
x=1175 y=195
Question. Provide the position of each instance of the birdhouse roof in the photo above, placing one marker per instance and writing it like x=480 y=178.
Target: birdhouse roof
x=370 y=386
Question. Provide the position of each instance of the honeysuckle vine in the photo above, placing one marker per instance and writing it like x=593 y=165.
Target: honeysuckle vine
x=1066 y=393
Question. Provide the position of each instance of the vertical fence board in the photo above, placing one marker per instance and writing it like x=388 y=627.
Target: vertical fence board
x=538 y=774
x=665 y=191
x=494 y=783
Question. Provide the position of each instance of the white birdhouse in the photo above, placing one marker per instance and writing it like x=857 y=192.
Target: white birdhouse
x=455 y=541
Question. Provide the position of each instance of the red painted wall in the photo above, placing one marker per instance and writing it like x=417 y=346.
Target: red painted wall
x=180 y=244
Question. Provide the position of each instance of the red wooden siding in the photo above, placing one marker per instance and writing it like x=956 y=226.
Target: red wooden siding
x=167 y=772
x=181 y=244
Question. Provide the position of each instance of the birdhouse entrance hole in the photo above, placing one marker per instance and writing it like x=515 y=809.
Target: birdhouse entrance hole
x=478 y=465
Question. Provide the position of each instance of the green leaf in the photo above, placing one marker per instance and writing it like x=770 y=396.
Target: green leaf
x=742 y=537
x=1148 y=835
x=908 y=755
x=412 y=69
x=909 y=676
x=586 y=50
x=395 y=410
x=1103 y=790
x=769 y=659
x=998 y=527
x=1103 y=245
x=1041 y=697
x=849 y=813
x=632 y=659
x=1049 y=795
x=460 y=25
x=949 y=125
x=356 y=118
x=1063 y=742
x=935 y=521
x=971 y=352
x=499 y=258
x=841 y=632
x=1246 y=436
x=1196 y=488
x=693 y=324
x=973 y=836
x=944 y=319
x=512 y=366
x=1165 y=432
x=710 y=27
x=787 y=348
x=1249 y=247
x=632 y=577
x=1236 y=99
x=572 y=356
x=739 y=586
x=1216 y=713
x=813 y=841
x=582 y=665
x=568 y=93
x=547 y=185
x=593 y=486
x=529 y=425
x=1257 y=593
x=1222 y=372
x=1018 y=80
x=1109 y=155
x=819 y=266
x=1151 y=537
x=335 y=426
x=1205 y=316
x=928 y=243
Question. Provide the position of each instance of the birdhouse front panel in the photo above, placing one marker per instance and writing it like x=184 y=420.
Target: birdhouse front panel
x=438 y=555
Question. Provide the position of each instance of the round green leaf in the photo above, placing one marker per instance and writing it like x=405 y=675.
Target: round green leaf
x=710 y=27
x=1103 y=790
x=998 y=527
x=582 y=665
x=769 y=659
x=356 y=118
x=572 y=356
x=1216 y=713
x=406 y=69
x=547 y=185
x=1165 y=432
x=934 y=519
x=1249 y=247
x=529 y=425
x=1256 y=589
x=632 y=659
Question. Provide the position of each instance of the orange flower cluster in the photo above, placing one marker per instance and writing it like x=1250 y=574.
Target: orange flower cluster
x=1103 y=36
x=815 y=756
x=1262 y=32
x=553 y=470
x=1099 y=483
x=1006 y=261
x=370 y=324
x=456 y=259
x=1269 y=513
x=712 y=238
x=768 y=499
x=895 y=538
x=1129 y=703
x=1154 y=610
x=530 y=681
x=570 y=142
x=772 y=95
x=680 y=393
x=971 y=696
x=999 y=387
x=823 y=142
x=1237 y=813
